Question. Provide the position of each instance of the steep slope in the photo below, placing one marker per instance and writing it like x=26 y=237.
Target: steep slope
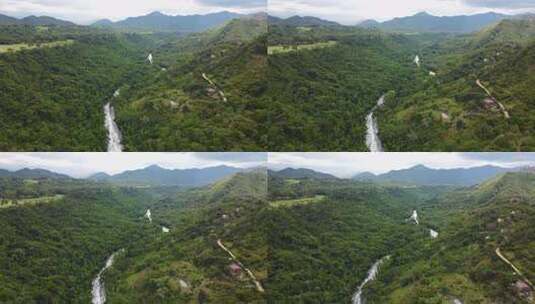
x=324 y=106
x=321 y=249
x=53 y=96
x=478 y=100
x=51 y=250
x=217 y=236
x=213 y=81
x=470 y=259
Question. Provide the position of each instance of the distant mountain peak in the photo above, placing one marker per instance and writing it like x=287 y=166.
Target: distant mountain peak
x=156 y=13
x=423 y=13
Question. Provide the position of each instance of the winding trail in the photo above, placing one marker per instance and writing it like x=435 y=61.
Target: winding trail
x=372 y=275
x=98 y=293
x=114 y=134
x=502 y=107
x=247 y=270
x=516 y=270
x=221 y=93
x=372 y=130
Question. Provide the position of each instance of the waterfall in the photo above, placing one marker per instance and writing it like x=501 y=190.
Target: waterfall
x=98 y=292
x=372 y=275
x=114 y=135
x=372 y=130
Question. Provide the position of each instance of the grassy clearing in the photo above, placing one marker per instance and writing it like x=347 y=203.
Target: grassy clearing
x=292 y=181
x=298 y=202
x=5 y=48
x=279 y=49
x=6 y=203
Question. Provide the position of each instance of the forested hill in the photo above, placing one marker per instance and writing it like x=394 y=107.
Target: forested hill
x=483 y=230
x=456 y=245
x=56 y=80
x=155 y=175
x=206 y=98
x=34 y=21
x=424 y=22
x=191 y=262
x=442 y=92
x=158 y=22
x=421 y=175
x=52 y=96
x=454 y=109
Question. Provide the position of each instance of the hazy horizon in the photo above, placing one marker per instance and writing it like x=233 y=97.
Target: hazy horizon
x=87 y=12
x=81 y=165
x=352 y=12
x=345 y=165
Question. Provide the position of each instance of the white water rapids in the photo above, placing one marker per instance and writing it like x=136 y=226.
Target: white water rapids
x=433 y=233
x=114 y=135
x=372 y=130
x=98 y=293
x=372 y=275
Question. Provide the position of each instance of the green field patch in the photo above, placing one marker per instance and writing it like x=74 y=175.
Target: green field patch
x=279 y=49
x=5 y=48
x=6 y=203
x=298 y=202
x=292 y=181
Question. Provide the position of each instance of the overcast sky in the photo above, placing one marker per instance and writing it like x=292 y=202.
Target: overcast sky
x=353 y=11
x=349 y=164
x=85 y=164
x=87 y=11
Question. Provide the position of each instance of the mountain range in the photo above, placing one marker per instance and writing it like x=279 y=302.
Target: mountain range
x=158 y=21
x=32 y=173
x=424 y=22
x=155 y=175
x=298 y=21
x=301 y=173
x=34 y=21
x=422 y=175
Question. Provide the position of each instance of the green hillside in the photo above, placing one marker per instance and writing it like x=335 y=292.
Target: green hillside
x=187 y=265
x=323 y=249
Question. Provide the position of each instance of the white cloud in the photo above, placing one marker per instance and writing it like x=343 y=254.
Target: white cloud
x=84 y=164
x=349 y=164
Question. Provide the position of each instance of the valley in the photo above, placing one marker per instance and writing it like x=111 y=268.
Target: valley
x=57 y=81
x=361 y=244
x=444 y=89
x=129 y=243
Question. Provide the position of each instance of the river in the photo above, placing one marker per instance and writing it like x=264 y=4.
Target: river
x=98 y=293
x=372 y=275
x=372 y=130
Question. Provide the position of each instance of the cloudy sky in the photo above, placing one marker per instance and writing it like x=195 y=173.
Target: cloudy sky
x=349 y=164
x=86 y=11
x=352 y=11
x=85 y=164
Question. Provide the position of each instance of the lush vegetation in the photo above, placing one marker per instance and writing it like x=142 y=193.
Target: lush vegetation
x=321 y=252
x=55 y=81
x=319 y=96
x=50 y=252
x=186 y=265
x=52 y=97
